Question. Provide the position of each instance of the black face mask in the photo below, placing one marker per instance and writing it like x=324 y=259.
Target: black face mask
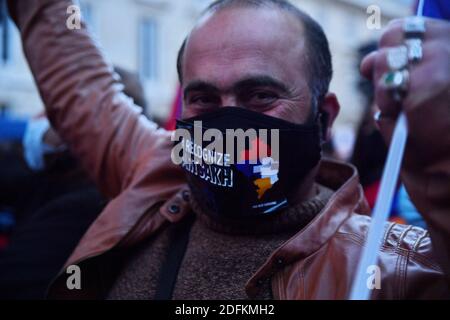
x=256 y=185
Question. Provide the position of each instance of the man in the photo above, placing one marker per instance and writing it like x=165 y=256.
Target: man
x=160 y=237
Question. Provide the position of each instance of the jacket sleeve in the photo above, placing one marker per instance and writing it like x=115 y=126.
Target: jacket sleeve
x=83 y=97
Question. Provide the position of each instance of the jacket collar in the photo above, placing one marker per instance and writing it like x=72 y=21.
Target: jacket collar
x=348 y=198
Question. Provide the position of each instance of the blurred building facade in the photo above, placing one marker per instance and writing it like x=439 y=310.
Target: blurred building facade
x=145 y=35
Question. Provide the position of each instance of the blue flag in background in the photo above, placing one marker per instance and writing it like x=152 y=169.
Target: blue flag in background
x=12 y=129
x=437 y=9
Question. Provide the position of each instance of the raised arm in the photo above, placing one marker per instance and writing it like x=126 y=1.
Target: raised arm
x=83 y=98
x=426 y=167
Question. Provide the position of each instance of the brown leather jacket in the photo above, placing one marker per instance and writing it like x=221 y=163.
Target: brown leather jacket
x=129 y=158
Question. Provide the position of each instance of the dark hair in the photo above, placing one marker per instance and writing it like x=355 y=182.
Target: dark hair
x=318 y=59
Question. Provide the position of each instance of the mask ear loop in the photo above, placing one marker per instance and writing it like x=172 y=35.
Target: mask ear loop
x=323 y=122
x=320 y=117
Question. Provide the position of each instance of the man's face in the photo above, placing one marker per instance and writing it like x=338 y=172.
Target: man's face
x=247 y=57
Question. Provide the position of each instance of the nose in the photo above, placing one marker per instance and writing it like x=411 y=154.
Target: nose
x=229 y=101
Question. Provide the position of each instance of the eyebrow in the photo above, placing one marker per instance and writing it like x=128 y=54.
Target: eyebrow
x=246 y=83
x=200 y=85
x=260 y=81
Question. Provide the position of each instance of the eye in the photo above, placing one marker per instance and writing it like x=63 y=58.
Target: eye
x=262 y=97
x=203 y=100
x=265 y=95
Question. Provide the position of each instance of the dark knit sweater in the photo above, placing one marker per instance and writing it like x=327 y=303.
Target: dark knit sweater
x=220 y=258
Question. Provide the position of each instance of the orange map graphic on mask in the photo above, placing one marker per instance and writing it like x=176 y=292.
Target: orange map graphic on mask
x=263 y=185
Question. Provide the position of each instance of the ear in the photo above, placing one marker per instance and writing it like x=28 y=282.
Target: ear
x=330 y=109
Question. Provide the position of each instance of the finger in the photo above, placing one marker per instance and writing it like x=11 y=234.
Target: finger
x=425 y=79
x=375 y=66
x=383 y=96
x=384 y=99
x=386 y=125
x=367 y=65
x=428 y=80
x=394 y=34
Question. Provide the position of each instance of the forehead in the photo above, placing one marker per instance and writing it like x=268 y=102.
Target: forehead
x=234 y=43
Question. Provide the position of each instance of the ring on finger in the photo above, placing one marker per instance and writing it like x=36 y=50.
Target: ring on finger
x=397 y=82
x=414 y=27
x=397 y=57
x=415 y=50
